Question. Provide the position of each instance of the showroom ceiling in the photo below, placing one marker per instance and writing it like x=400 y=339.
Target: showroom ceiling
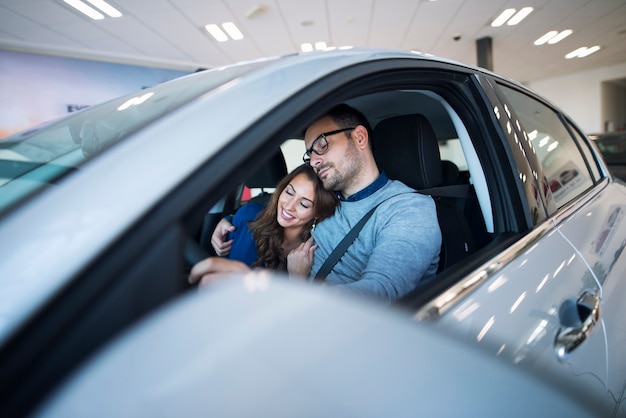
x=171 y=33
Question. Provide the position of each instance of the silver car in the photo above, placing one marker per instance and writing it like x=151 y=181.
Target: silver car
x=103 y=212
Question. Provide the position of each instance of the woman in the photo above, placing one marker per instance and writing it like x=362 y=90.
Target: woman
x=265 y=237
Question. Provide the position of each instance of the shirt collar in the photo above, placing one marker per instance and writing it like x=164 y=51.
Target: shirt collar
x=380 y=181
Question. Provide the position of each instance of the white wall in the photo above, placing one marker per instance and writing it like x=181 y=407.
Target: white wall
x=37 y=88
x=580 y=94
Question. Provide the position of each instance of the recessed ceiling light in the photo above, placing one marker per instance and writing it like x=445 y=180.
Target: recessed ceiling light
x=232 y=30
x=582 y=52
x=562 y=35
x=228 y=28
x=545 y=38
x=589 y=51
x=216 y=32
x=308 y=47
x=503 y=17
x=106 y=8
x=553 y=37
x=93 y=13
x=84 y=9
x=519 y=16
x=510 y=17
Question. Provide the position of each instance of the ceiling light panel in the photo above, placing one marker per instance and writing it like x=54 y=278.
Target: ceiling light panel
x=228 y=31
x=545 y=38
x=502 y=18
x=85 y=9
x=553 y=37
x=232 y=30
x=94 y=9
x=511 y=16
x=582 y=52
x=519 y=16
x=562 y=35
x=589 y=51
x=106 y=8
x=216 y=32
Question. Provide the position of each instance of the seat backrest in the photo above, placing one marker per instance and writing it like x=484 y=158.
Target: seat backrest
x=406 y=148
x=269 y=174
x=450 y=173
x=267 y=177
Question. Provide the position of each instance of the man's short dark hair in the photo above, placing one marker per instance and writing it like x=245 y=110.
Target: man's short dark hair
x=346 y=116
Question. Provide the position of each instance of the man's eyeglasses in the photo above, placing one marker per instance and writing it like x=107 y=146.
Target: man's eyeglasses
x=320 y=144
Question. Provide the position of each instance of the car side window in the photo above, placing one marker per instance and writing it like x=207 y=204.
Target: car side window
x=564 y=167
x=586 y=150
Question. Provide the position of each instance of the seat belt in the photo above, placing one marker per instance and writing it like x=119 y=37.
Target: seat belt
x=341 y=248
x=455 y=190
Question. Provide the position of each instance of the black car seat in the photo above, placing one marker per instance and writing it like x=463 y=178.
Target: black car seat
x=266 y=177
x=467 y=203
x=450 y=173
x=406 y=148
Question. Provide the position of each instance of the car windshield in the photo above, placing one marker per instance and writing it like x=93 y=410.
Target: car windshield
x=36 y=158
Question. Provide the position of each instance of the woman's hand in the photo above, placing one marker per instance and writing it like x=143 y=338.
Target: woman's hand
x=300 y=260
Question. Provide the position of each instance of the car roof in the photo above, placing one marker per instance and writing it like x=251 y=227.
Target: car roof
x=264 y=346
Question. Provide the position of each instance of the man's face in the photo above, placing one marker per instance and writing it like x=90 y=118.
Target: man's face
x=337 y=166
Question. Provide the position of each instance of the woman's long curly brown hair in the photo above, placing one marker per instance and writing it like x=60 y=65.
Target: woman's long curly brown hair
x=268 y=234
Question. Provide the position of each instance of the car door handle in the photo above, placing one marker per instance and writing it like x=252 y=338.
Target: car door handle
x=578 y=318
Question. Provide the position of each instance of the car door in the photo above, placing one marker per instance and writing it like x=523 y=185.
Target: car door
x=590 y=222
x=516 y=304
x=604 y=252
x=601 y=245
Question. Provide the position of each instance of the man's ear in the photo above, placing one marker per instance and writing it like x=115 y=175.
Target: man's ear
x=360 y=137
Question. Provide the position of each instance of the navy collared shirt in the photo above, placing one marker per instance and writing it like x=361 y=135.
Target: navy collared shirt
x=368 y=191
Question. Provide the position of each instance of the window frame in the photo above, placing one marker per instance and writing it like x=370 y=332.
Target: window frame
x=550 y=206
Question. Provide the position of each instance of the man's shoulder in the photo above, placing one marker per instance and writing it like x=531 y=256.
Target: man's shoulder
x=397 y=191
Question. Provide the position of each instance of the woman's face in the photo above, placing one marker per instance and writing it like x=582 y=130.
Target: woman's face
x=296 y=203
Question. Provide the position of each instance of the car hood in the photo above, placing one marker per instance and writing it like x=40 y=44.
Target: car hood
x=257 y=345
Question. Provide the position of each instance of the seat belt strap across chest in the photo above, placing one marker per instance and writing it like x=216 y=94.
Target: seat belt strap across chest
x=341 y=248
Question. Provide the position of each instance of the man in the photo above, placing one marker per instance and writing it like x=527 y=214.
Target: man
x=397 y=249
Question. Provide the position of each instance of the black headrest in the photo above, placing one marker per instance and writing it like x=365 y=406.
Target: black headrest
x=405 y=147
x=449 y=172
x=269 y=174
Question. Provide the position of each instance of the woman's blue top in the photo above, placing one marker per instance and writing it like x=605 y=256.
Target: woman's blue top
x=244 y=246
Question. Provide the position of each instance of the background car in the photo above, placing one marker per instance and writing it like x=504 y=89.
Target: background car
x=110 y=207
x=613 y=149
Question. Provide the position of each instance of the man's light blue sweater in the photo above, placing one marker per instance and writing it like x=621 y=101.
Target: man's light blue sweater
x=396 y=250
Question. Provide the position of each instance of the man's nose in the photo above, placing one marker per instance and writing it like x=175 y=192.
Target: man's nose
x=315 y=160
